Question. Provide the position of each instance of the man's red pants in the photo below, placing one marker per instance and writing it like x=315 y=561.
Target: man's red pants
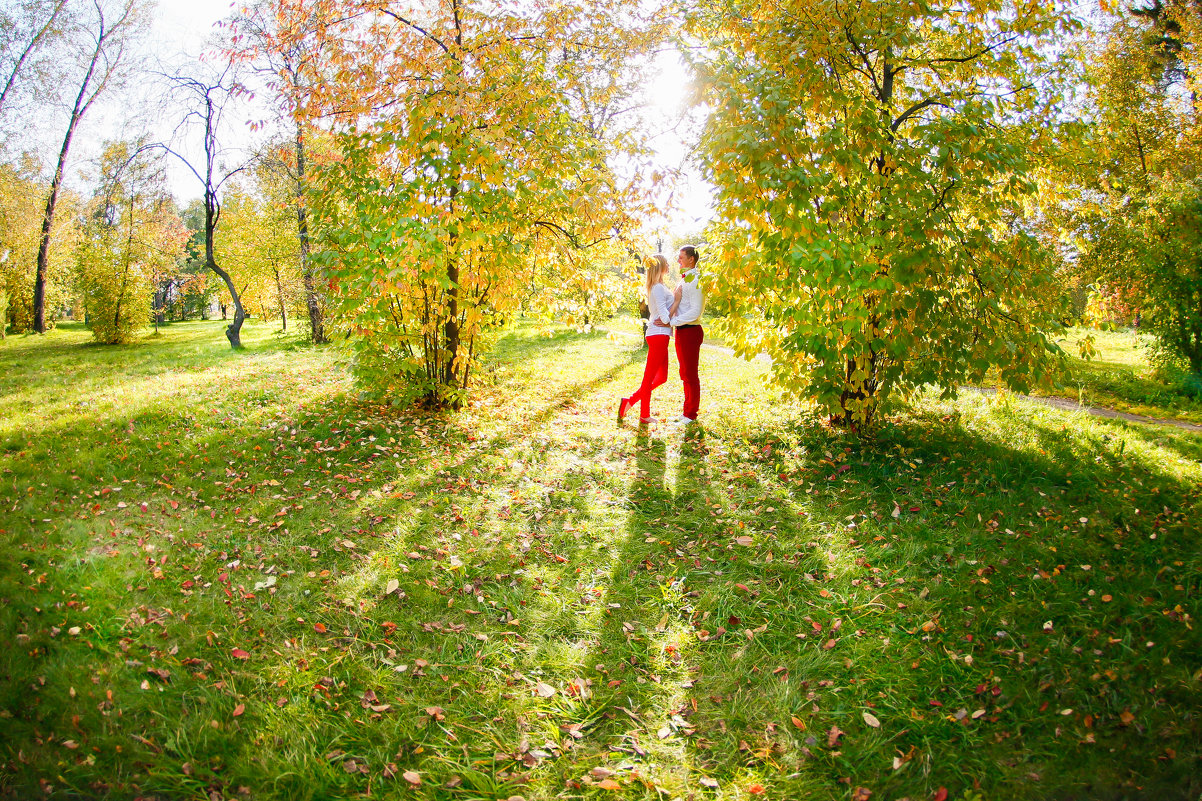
x=688 y=353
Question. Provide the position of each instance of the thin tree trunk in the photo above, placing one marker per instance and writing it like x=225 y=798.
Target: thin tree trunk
x=77 y=112
x=279 y=288
x=451 y=328
x=316 y=324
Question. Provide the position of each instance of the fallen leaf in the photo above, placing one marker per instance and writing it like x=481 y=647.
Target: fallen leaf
x=239 y=709
x=832 y=736
x=544 y=690
x=413 y=777
x=393 y=586
x=238 y=653
x=609 y=784
x=871 y=720
x=756 y=789
x=708 y=782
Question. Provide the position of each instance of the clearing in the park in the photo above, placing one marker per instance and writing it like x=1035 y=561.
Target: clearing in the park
x=225 y=575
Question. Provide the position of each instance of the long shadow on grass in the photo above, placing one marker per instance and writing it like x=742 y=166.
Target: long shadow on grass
x=487 y=669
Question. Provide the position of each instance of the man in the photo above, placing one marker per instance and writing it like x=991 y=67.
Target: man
x=689 y=333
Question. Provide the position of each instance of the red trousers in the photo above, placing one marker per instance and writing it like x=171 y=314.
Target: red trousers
x=688 y=352
x=654 y=374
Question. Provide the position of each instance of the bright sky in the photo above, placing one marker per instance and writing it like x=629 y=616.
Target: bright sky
x=181 y=28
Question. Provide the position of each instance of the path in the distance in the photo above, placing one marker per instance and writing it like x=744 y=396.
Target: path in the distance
x=1057 y=403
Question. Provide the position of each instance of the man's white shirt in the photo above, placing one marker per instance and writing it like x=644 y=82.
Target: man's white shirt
x=691 y=301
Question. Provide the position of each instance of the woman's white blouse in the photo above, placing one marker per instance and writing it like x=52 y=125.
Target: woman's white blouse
x=659 y=301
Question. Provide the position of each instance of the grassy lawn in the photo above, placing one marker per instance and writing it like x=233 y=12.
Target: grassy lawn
x=229 y=576
x=1119 y=377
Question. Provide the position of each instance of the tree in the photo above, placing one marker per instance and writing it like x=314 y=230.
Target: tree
x=1133 y=205
x=459 y=160
x=105 y=39
x=874 y=164
x=132 y=239
x=259 y=236
x=286 y=41
x=25 y=31
x=207 y=98
x=22 y=190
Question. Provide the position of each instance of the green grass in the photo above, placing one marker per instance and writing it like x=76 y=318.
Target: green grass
x=1120 y=377
x=198 y=549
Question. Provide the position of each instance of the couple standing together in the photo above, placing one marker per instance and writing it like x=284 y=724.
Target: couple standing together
x=679 y=310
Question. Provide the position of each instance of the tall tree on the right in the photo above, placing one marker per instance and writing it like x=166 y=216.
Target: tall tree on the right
x=1135 y=205
x=874 y=163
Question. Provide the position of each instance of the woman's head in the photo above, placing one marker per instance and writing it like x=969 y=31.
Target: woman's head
x=657 y=268
x=687 y=258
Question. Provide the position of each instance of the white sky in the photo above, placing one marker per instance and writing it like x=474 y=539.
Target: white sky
x=181 y=28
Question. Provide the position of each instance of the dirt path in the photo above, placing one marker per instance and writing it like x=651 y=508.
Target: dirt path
x=1058 y=403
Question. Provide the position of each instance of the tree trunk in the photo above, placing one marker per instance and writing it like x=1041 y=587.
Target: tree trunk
x=279 y=288
x=451 y=328
x=316 y=324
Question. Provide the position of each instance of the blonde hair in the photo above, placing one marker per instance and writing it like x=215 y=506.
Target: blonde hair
x=656 y=267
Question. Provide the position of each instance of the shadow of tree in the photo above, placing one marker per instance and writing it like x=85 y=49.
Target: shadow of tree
x=723 y=602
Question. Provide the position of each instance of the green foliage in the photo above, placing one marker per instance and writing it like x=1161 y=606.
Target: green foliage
x=1135 y=211
x=875 y=168
x=132 y=239
x=22 y=203
x=1172 y=368
x=438 y=219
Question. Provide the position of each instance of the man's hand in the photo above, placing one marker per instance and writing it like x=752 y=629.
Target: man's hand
x=660 y=322
x=678 y=291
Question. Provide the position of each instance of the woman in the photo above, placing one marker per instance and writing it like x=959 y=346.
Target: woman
x=662 y=305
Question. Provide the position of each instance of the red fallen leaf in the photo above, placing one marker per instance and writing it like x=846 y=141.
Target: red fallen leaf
x=935 y=703
x=609 y=784
x=174 y=504
x=238 y=653
x=320 y=628
x=756 y=789
x=829 y=644
x=940 y=794
x=742 y=587
x=798 y=722
x=239 y=709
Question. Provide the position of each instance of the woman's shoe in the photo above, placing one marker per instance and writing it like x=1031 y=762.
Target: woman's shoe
x=644 y=419
x=623 y=407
